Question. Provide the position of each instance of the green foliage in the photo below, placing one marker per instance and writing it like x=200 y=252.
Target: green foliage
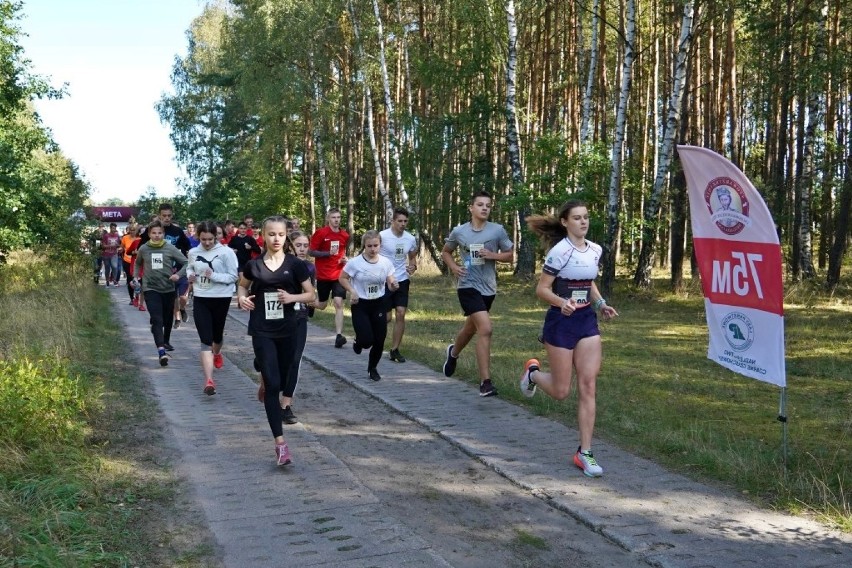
x=40 y=401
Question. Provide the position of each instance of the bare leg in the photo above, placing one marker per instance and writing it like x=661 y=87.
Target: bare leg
x=587 y=360
x=207 y=364
x=338 y=315
x=398 y=327
x=478 y=323
x=556 y=383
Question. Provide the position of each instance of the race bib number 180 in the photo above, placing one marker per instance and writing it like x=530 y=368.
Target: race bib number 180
x=374 y=291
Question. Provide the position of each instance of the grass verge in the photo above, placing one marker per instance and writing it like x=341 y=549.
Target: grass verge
x=661 y=398
x=84 y=467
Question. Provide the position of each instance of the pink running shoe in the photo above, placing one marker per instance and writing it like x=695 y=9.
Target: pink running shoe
x=283 y=453
x=218 y=360
x=210 y=388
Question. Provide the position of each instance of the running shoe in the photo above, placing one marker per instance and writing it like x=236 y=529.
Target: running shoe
x=486 y=388
x=339 y=341
x=168 y=347
x=527 y=384
x=142 y=308
x=282 y=452
x=184 y=316
x=210 y=388
x=287 y=416
x=176 y=324
x=164 y=359
x=356 y=348
x=374 y=375
x=218 y=360
x=586 y=461
x=132 y=303
x=395 y=355
x=450 y=363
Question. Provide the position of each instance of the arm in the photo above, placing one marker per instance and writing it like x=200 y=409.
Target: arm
x=305 y=297
x=244 y=300
x=449 y=259
x=502 y=256
x=544 y=290
x=608 y=312
x=412 y=262
x=346 y=282
x=230 y=275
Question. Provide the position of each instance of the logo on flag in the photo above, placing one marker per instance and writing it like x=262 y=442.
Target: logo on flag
x=738 y=330
x=728 y=205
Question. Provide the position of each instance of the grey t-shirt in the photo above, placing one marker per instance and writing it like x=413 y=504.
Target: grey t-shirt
x=481 y=273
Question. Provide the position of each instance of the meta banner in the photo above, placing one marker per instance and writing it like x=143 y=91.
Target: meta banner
x=739 y=259
x=114 y=214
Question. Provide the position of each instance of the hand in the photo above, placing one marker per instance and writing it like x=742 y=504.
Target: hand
x=608 y=312
x=459 y=270
x=411 y=268
x=246 y=302
x=261 y=391
x=191 y=278
x=393 y=286
x=208 y=273
x=569 y=306
x=247 y=246
x=353 y=299
x=174 y=277
x=285 y=297
x=342 y=260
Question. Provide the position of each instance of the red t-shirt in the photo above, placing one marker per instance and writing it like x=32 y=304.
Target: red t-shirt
x=326 y=240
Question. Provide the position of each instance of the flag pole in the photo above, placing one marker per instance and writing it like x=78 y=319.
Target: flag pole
x=782 y=418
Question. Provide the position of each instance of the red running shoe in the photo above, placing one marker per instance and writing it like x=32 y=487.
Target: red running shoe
x=210 y=388
x=218 y=360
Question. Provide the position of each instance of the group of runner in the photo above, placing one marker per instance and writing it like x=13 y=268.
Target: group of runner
x=280 y=287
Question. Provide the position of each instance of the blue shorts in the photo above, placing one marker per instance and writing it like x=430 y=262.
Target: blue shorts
x=182 y=286
x=567 y=331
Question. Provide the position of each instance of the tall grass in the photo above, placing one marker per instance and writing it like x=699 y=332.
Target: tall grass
x=660 y=397
x=64 y=501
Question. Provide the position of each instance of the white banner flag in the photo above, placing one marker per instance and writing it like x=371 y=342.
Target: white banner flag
x=739 y=259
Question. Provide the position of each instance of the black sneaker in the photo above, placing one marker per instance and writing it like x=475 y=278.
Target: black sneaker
x=168 y=347
x=287 y=416
x=164 y=360
x=184 y=316
x=356 y=348
x=395 y=355
x=339 y=341
x=450 y=363
x=176 y=324
x=487 y=389
x=374 y=375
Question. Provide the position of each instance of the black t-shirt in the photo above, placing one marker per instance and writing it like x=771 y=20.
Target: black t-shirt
x=238 y=243
x=174 y=235
x=271 y=318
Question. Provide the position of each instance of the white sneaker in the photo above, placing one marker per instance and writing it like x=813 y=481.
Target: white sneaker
x=527 y=385
x=586 y=461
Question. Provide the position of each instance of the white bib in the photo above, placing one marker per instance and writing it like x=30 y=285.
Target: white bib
x=157 y=261
x=274 y=307
x=475 y=259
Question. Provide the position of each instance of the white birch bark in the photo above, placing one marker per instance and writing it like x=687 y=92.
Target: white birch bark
x=586 y=115
x=645 y=264
x=526 y=260
x=315 y=104
x=614 y=194
x=393 y=140
x=371 y=131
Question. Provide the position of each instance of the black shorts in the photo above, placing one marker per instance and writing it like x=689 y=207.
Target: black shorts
x=324 y=287
x=472 y=301
x=398 y=299
x=182 y=286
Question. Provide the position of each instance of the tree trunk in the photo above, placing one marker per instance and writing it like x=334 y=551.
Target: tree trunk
x=642 y=277
x=591 y=75
x=525 y=266
x=841 y=229
x=610 y=256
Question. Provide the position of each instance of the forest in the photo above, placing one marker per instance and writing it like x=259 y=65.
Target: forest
x=286 y=106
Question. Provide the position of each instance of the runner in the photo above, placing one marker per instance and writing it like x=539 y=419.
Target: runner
x=299 y=244
x=400 y=247
x=482 y=245
x=157 y=258
x=571 y=336
x=328 y=246
x=270 y=287
x=130 y=233
x=110 y=245
x=366 y=277
x=243 y=245
x=175 y=236
x=212 y=271
x=94 y=239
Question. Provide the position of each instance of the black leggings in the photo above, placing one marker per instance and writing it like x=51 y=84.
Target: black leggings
x=299 y=348
x=210 y=315
x=274 y=356
x=371 y=327
x=128 y=277
x=161 y=308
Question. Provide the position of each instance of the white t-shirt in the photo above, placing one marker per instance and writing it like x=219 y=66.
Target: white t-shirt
x=368 y=278
x=574 y=269
x=396 y=249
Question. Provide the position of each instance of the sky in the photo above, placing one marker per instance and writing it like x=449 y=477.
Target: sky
x=116 y=57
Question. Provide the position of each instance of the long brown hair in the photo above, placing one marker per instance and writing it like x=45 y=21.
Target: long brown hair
x=549 y=227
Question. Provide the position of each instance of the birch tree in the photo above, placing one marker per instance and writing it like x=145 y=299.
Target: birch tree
x=592 y=73
x=614 y=194
x=642 y=277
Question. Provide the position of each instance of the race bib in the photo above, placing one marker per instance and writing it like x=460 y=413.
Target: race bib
x=399 y=253
x=274 y=307
x=580 y=296
x=475 y=259
x=577 y=290
x=374 y=291
x=334 y=248
x=157 y=261
x=203 y=282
